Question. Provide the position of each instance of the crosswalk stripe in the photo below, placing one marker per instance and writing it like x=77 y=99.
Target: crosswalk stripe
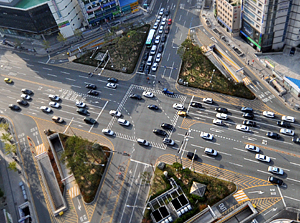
x=40 y=148
x=240 y=196
x=74 y=191
x=247 y=81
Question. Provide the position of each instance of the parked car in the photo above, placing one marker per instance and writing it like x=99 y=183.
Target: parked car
x=123 y=122
x=22 y=102
x=284 y=124
x=218 y=122
x=221 y=110
x=114 y=80
x=206 y=136
x=169 y=22
x=108 y=132
x=243 y=128
x=166 y=126
x=272 y=135
x=252 y=148
x=161 y=48
x=163 y=38
x=248 y=115
x=287 y=132
x=153 y=107
x=57 y=119
x=182 y=113
x=166 y=91
x=178 y=106
x=53 y=97
x=80 y=104
x=191 y=155
x=92 y=92
x=262 y=158
x=90 y=120
x=25 y=96
x=8 y=80
x=210 y=152
x=27 y=91
x=196 y=104
x=288 y=118
x=208 y=100
x=249 y=123
x=14 y=107
x=221 y=116
x=82 y=111
x=275 y=180
x=168 y=141
x=159 y=132
x=135 y=96
x=167 y=29
x=268 y=114
x=275 y=170
x=246 y=109
x=111 y=85
x=115 y=113
x=146 y=55
x=46 y=109
x=91 y=86
x=296 y=140
x=148 y=94
x=143 y=142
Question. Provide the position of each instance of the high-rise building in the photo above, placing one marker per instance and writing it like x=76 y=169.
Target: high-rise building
x=270 y=24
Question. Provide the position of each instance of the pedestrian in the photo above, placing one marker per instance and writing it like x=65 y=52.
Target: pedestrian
x=148 y=78
x=159 y=82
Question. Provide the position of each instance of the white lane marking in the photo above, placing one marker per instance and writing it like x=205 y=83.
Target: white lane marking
x=293 y=180
x=65 y=72
x=83 y=76
x=52 y=75
x=215 y=143
x=197 y=146
x=254 y=161
x=236 y=164
x=295 y=163
x=292 y=198
x=272 y=158
x=263 y=171
x=240 y=149
x=210 y=157
x=46 y=68
x=281 y=196
x=102 y=81
x=75 y=86
x=70 y=79
x=225 y=153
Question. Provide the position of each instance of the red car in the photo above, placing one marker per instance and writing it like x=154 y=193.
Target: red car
x=169 y=21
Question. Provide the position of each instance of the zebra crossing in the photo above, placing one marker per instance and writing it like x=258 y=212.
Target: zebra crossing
x=74 y=191
x=240 y=196
x=71 y=95
x=247 y=81
x=40 y=149
x=158 y=92
x=133 y=139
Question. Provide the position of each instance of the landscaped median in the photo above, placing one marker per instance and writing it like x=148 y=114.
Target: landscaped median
x=213 y=189
x=199 y=72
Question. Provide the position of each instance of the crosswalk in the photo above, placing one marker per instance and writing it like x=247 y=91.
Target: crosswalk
x=40 y=149
x=247 y=81
x=74 y=191
x=72 y=95
x=159 y=92
x=240 y=196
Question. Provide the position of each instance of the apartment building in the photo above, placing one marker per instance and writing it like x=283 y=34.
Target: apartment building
x=228 y=14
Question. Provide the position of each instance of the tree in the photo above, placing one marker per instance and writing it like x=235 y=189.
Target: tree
x=13 y=166
x=146 y=177
x=46 y=44
x=10 y=148
x=61 y=38
x=4 y=126
x=78 y=33
x=6 y=137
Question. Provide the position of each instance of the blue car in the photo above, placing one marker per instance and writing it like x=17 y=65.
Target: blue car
x=165 y=91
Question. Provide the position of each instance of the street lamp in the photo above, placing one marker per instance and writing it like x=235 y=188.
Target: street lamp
x=212 y=77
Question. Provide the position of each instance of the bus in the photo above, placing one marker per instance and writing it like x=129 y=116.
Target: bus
x=150 y=38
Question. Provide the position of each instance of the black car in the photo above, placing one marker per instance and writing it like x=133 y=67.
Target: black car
x=168 y=141
x=92 y=92
x=22 y=102
x=167 y=29
x=247 y=109
x=248 y=115
x=141 y=68
x=284 y=124
x=147 y=69
x=90 y=120
x=161 y=48
x=292 y=51
x=196 y=105
x=154 y=107
x=163 y=38
x=145 y=57
x=190 y=155
x=27 y=91
x=14 y=107
x=296 y=140
x=167 y=12
x=222 y=110
x=272 y=135
x=249 y=123
x=159 y=132
x=91 y=86
x=166 y=126
x=275 y=180
x=112 y=80
x=135 y=96
x=82 y=111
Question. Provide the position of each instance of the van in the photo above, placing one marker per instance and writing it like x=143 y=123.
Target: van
x=153 y=50
x=150 y=60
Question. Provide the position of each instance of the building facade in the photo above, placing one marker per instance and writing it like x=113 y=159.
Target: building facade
x=228 y=14
x=271 y=24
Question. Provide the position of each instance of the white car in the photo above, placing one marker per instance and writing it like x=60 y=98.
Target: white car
x=287 y=131
x=158 y=57
x=45 y=109
x=163 y=21
x=25 y=96
x=252 y=148
x=161 y=12
x=288 y=118
x=115 y=113
x=178 y=106
x=158 y=19
x=168 y=141
x=208 y=100
x=111 y=85
x=206 y=135
x=148 y=94
x=210 y=152
x=108 y=132
x=268 y=114
x=221 y=116
x=80 y=104
x=155 y=26
x=275 y=170
x=243 y=128
x=123 y=122
x=161 y=29
x=143 y=142
x=263 y=158
x=218 y=122
x=54 y=104
x=54 y=97
x=157 y=39
x=154 y=66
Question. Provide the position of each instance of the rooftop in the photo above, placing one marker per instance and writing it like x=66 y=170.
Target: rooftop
x=25 y=4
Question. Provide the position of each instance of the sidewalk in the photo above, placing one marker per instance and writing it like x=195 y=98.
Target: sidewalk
x=257 y=67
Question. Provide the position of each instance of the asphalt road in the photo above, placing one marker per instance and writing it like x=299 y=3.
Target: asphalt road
x=124 y=191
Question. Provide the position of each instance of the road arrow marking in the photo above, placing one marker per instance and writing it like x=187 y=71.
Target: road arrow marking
x=259 y=192
x=79 y=205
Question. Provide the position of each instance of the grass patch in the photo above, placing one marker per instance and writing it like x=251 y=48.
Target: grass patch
x=197 y=70
x=216 y=189
x=85 y=160
x=124 y=50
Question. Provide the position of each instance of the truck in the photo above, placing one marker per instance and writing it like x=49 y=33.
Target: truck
x=166 y=91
